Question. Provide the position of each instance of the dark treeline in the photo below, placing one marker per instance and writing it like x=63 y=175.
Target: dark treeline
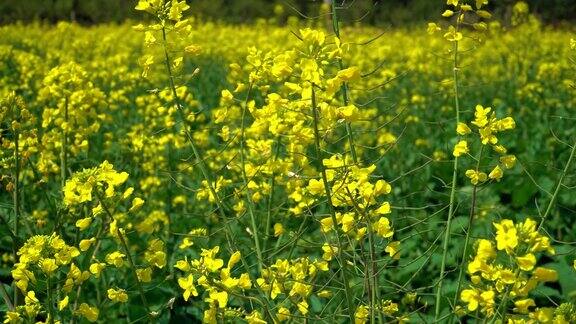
x=382 y=12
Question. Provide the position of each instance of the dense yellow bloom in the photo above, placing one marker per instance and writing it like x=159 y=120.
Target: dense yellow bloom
x=144 y=275
x=278 y=229
x=88 y=312
x=476 y=177
x=176 y=9
x=508 y=161
x=44 y=253
x=463 y=129
x=329 y=251
x=475 y=298
x=361 y=314
x=383 y=228
x=220 y=298
x=80 y=187
x=48 y=266
x=460 y=148
x=448 y=13
x=117 y=295
x=515 y=272
x=496 y=173
x=526 y=262
x=63 y=303
x=187 y=284
x=506 y=235
x=115 y=258
x=96 y=268
x=393 y=249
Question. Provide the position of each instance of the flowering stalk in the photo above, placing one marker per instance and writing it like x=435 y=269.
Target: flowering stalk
x=201 y=163
x=372 y=273
x=328 y=192
x=373 y=281
x=467 y=239
x=16 y=201
x=128 y=255
x=504 y=302
x=249 y=201
x=270 y=197
x=453 y=186
x=64 y=148
x=96 y=247
x=344 y=87
x=180 y=110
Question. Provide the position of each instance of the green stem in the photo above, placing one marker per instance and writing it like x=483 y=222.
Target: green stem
x=86 y=262
x=16 y=201
x=328 y=192
x=504 y=302
x=467 y=240
x=452 y=190
x=558 y=186
x=180 y=109
x=133 y=267
x=271 y=197
x=249 y=201
x=373 y=279
x=128 y=255
x=203 y=168
x=344 y=87
x=50 y=302
x=371 y=271
x=64 y=148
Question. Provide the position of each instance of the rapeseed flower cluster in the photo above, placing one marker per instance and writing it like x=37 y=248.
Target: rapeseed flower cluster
x=504 y=271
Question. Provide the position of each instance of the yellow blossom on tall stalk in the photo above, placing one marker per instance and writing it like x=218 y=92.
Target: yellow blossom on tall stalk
x=497 y=281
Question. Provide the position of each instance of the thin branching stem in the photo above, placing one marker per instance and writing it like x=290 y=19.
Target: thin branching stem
x=558 y=186
x=344 y=87
x=16 y=201
x=468 y=235
x=50 y=303
x=328 y=192
x=202 y=165
x=452 y=204
x=272 y=184
x=128 y=255
x=249 y=201
x=64 y=148
x=371 y=269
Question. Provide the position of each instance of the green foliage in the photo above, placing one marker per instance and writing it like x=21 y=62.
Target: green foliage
x=397 y=12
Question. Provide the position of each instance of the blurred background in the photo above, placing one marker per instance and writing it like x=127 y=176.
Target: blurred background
x=375 y=12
